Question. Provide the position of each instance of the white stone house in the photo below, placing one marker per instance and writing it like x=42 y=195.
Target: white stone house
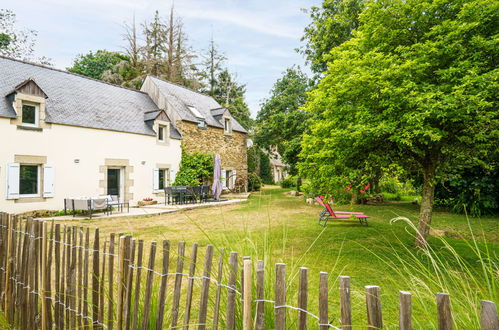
x=278 y=167
x=63 y=135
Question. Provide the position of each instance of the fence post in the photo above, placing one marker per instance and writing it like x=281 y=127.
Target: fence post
x=260 y=295
x=405 y=310
x=135 y=315
x=444 y=311
x=101 y=283
x=345 y=303
x=203 y=302
x=488 y=316
x=373 y=303
x=86 y=258
x=121 y=282
x=303 y=298
x=95 y=279
x=323 y=302
x=162 y=290
x=45 y=279
x=231 y=294
x=280 y=296
x=8 y=269
x=110 y=273
x=248 y=279
x=129 y=281
x=190 y=286
x=147 y=295
x=219 y=290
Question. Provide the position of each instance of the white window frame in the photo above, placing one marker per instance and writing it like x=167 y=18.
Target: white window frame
x=38 y=166
x=37 y=114
x=227 y=126
x=162 y=128
x=167 y=179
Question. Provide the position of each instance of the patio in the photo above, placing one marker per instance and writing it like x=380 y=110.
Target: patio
x=154 y=209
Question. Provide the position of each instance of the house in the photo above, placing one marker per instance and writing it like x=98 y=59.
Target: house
x=205 y=126
x=277 y=166
x=64 y=135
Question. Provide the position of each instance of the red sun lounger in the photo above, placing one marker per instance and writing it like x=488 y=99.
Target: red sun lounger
x=329 y=214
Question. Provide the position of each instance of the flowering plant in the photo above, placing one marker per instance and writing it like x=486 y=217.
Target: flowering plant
x=148 y=199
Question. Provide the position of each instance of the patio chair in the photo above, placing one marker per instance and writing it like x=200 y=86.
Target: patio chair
x=205 y=193
x=328 y=214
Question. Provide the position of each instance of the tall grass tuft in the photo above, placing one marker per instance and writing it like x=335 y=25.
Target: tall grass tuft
x=467 y=270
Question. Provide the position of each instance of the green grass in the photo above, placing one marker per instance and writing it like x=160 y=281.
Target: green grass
x=274 y=227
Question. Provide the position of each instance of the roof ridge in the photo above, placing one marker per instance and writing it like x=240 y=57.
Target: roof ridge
x=181 y=86
x=68 y=72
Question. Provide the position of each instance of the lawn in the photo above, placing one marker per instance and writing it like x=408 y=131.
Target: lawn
x=276 y=227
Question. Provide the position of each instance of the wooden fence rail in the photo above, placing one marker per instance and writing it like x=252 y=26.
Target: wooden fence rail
x=68 y=277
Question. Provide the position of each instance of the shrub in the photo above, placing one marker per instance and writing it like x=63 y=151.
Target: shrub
x=254 y=182
x=265 y=170
x=472 y=190
x=289 y=182
x=195 y=169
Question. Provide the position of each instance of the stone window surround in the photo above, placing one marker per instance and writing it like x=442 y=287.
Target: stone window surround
x=32 y=160
x=166 y=136
x=38 y=101
x=125 y=165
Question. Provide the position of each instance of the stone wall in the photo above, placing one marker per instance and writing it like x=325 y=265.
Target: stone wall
x=232 y=148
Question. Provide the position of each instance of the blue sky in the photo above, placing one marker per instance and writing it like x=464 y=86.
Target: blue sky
x=258 y=37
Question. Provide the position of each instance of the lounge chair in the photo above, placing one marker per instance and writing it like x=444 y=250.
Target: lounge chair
x=329 y=214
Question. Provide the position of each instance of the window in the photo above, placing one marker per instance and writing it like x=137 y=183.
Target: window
x=202 y=124
x=161 y=179
x=29 y=115
x=227 y=178
x=28 y=180
x=227 y=126
x=161 y=132
x=195 y=112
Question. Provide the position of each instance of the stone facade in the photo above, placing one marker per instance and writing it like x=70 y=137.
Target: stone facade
x=231 y=147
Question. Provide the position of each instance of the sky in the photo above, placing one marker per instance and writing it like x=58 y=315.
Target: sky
x=258 y=37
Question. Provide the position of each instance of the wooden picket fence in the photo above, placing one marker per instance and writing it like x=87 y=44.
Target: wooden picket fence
x=67 y=277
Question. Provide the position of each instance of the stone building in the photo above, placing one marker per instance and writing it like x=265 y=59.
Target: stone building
x=204 y=125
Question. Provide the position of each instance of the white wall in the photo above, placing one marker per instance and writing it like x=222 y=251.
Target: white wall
x=63 y=144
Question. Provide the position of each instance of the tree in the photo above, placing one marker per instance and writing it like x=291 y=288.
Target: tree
x=230 y=94
x=17 y=43
x=416 y=87
x=281 y=120
x=94 y=65
x=212 y=66
x=332 y=24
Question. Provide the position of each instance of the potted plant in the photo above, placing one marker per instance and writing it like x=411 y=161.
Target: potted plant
x=147 y=201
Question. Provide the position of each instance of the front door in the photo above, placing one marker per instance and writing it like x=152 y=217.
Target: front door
x=114 y=181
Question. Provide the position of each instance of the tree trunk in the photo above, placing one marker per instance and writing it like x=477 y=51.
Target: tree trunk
x=426 y=209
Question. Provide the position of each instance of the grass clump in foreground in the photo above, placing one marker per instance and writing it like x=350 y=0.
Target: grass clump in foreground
x=277 y=228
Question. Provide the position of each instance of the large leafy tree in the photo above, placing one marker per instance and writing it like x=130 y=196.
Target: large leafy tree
x=333 y=23
x=416 y=87
x=94 y=64
x=281 y=120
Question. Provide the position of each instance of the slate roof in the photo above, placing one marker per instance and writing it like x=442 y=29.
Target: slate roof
x=180 y=97
x=78 y=100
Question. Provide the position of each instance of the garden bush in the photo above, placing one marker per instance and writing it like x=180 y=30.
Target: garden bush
x=195 y=169
x=289 y=182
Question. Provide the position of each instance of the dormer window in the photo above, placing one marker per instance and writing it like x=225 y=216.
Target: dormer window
x=30 y=115
x=227 y=126
x=161 y=133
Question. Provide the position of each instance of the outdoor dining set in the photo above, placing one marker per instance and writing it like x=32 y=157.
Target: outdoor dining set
x=186 y=194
